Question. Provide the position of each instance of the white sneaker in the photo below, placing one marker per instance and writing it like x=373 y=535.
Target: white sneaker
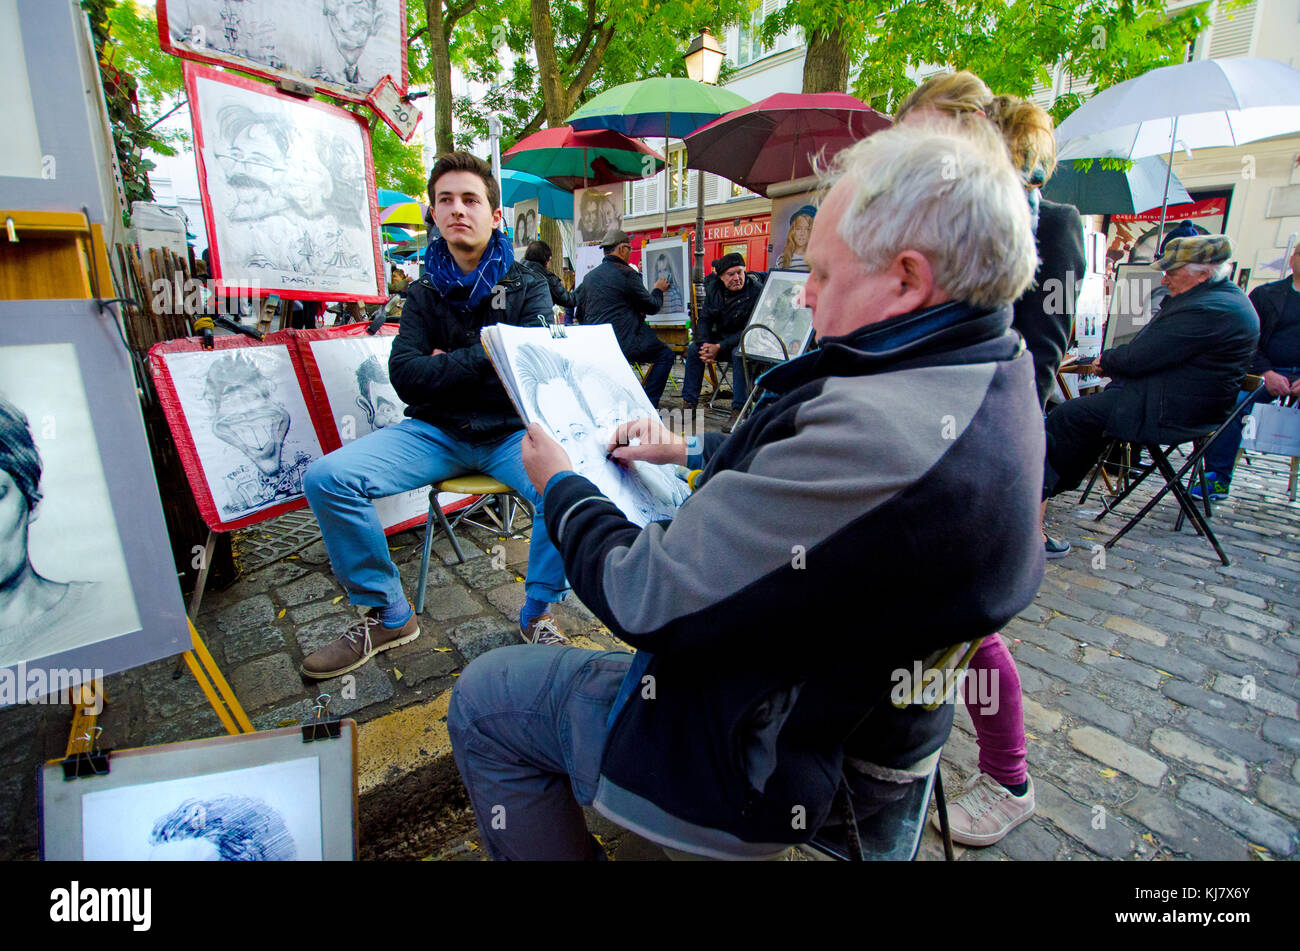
x=986 y=811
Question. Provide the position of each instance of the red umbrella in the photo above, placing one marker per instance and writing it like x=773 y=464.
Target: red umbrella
x=572 y=159
x=776 y=138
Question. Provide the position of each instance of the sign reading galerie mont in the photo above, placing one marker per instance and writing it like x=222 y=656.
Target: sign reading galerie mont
x=729 y=230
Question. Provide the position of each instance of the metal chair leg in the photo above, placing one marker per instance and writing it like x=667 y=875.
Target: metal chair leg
x=941 y=807
x=435 y=516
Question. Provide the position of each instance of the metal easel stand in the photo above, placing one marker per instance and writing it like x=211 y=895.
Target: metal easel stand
x=744 y=362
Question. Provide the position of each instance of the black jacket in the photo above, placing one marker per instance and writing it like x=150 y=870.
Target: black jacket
x=1044 y=313
x=1179 y=377
x=458 y=391
x=725 y=313
x=1278 y=307
x=613 y=293
x=558 y=294
x=839 y=493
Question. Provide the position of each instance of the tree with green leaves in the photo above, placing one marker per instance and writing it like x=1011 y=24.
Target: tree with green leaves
x=1014 y=45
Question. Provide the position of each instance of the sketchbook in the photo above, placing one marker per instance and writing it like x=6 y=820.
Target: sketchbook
x=580 y=387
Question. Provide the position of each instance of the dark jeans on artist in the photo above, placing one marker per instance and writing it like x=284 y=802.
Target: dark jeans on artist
x=1076 y=435
x=661 y=360
x=1221 y=457
x=694 y=377
x=528 y=727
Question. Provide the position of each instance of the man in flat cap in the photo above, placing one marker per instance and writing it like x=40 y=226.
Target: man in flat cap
x=1176 y=380
x=612 y=293
x=728 y=301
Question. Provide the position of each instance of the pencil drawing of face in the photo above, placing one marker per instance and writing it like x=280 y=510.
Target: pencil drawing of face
x=551 y=388
x=244 y=414
x=254 y=158
x=20 y=480
x=352 y=23
x=377 y=399
x=224 y=828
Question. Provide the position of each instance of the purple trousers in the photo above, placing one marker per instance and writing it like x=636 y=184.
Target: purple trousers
x=993 y=699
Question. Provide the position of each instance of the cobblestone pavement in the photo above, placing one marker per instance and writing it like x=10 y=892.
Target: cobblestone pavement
x=1161 y=690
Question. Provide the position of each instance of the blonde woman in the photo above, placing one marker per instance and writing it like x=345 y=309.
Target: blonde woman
x=1001 y=796
x=796 y=240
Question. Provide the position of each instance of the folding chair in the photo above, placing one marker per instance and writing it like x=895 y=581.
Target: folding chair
x=716 y=379
x=478 y=484
x=1174 y=480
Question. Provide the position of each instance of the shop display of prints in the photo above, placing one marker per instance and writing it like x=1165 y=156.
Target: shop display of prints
x=256 y=797
x=668 y=258
x=792 y=221
x=288 y=191
x=344 y=47
x=780 y=308
x=581 y=388
x=1134 y=300
x=526 y=225
x=597 y=209
x=56 y=523
x=85 y=564
x=241 y=426
x=352 y=369
x=585 y=260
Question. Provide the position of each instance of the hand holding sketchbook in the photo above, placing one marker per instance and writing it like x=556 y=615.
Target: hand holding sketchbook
x=580 y=387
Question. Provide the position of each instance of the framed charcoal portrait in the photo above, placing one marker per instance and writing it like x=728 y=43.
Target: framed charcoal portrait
x=526 y=226
x=668 y=258
x=1134 y=300
x=786 y=325
x=346 y=370
x=342 y=47
x=258 y=797
x=288 y=189
x=597 y=209
x=241 y=425
x=87 y=583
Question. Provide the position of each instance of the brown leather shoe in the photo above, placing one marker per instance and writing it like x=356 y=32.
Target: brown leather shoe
x=731 y=421
x=542 y=630
x=360 y=642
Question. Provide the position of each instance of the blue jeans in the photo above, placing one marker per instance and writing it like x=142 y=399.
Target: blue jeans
x=341 y=485
x=694 y=377
x=528 y=728
x=1221 y=457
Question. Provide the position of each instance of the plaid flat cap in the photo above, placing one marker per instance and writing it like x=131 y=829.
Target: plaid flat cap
x=1202 y=249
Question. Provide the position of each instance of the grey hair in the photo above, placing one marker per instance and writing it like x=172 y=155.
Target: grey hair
x=947 y=192
x=1217 y=272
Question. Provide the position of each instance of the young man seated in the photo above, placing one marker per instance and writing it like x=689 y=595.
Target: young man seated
x=880 y=504
x=459 y=419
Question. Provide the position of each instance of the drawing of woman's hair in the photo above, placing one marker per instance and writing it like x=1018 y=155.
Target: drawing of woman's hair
x=241 y=828
x=19 y=456
x=792 y=247
x=535 y=366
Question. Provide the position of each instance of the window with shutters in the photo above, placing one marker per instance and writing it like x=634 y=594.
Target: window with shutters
x=1233 y=31
x=750 y=45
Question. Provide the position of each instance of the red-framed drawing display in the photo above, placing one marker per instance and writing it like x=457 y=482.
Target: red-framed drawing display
x=288 y=190
x=342 y=48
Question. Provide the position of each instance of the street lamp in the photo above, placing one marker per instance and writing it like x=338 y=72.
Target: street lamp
x=703 y=62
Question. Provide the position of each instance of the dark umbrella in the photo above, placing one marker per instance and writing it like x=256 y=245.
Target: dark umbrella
x=1103 y=192
x=776 y=138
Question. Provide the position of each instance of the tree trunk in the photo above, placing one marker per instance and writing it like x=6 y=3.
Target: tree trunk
x=440 y=55
x=548 y=65
x=826 y=67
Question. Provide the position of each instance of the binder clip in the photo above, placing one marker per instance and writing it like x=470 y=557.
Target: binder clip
x=556 y=328
x=92 y=763
x=324 y=727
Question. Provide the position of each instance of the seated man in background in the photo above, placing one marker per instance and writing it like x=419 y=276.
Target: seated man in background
x=879 y=505
x=1176 y=380
x=1277 y=359
x=613 y=293
x=728 y=302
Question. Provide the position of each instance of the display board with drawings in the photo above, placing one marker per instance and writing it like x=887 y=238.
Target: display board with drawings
x=597 y=209
x=526 y=226
x=342 y=47
x=1135 y=300
x=91 y=584
x=288 y=191
x=581 y=388
x=241 y=425
x=346 y=370
x=265 y=796
x=780 y=309
x=668 y=258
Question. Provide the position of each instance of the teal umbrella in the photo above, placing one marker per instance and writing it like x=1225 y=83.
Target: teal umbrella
x=553 y=202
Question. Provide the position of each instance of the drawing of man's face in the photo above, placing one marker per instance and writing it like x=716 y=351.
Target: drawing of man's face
x=572 y=429
x=14 y=518
x=385 y=404
x=352 y=23
x=588 y=222
x=244 y=414
x=609 y=216
x=254 y=160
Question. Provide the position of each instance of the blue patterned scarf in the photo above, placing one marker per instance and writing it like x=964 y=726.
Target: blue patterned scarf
x=466 y=291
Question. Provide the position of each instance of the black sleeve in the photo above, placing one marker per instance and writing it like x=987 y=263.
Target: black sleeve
x=704 y=332
x=537 y=300
x=643 y=301
x=558 y=294
x=420 y=378
x=1044 y=312
x=1171 y=340
x=1260 y=363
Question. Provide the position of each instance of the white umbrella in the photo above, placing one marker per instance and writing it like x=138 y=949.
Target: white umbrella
x=1204 y=104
